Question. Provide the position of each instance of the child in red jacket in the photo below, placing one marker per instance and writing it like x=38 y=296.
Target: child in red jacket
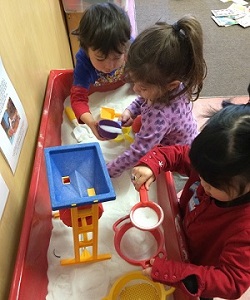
x=215 y=206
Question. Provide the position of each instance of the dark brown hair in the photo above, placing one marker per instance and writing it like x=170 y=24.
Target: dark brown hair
x=164 y=53
x=105 y=27
x=220 y=153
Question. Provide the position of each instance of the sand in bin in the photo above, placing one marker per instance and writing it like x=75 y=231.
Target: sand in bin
x=138 y=245
x=145 y=217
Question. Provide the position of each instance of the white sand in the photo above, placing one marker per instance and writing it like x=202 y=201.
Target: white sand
x=93 y=281
x=145 y=217
x=111 y=129
x=138 y=245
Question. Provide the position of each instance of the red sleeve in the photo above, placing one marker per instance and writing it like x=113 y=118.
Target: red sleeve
x=79 y=100
x=231 y=274
x=168 y=158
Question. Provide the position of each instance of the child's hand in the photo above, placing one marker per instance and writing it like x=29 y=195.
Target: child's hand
x=96 y=133
x=147 y=271
x=140 y=175
x=88 y=119
x=126 y=118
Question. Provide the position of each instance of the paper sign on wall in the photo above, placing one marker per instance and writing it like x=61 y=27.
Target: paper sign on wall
x=13 y=120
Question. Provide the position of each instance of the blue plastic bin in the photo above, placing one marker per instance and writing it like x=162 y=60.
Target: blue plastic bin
x=71 y=170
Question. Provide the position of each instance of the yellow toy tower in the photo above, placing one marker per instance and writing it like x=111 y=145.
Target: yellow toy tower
x=79 y=181
x=85 y=235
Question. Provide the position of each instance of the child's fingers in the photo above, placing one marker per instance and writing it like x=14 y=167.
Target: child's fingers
x=143 y=180
x=148 y=182
x=147 y=271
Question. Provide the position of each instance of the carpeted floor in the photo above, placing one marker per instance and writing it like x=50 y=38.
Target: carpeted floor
x=226 y=49
x=203 y=105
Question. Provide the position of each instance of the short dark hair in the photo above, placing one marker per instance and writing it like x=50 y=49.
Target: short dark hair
x=105 y=27
x=220 y=153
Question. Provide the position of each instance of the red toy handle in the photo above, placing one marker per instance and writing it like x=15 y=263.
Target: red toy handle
x=118 y=222
x=143 y=194
x=121 y=226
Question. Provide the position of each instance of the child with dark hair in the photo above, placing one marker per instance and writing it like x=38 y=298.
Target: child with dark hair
x=214 y=204
x=104 y=35
x=166 y=65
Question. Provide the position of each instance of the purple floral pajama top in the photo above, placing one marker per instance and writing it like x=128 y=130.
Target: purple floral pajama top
x=161 y=124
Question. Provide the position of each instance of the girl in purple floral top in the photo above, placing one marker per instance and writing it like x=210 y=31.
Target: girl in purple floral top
x=166 y=65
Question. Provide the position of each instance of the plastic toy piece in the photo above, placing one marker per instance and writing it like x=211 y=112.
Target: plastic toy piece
x=136 y=126
x=146 y=215
x=81 y=234
x=56 y=215
x=65 y=215
x=108 y=113
x=80 y=131
x=135 y=285
x=72 y=185
x=70 y=173
x=125 y=135
x=122 y=227
x=109 y=129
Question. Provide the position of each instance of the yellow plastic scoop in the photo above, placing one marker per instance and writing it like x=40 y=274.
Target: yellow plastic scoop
x=109 y=113
x=80 y=132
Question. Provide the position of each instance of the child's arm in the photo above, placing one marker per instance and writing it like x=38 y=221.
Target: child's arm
x=131 y=112
x=161 y=158
x=156 y=128
x=84 y=76
x=82 y=79
x=79 y=103
x=143 y=145
x=229 y=279
x=190 y=282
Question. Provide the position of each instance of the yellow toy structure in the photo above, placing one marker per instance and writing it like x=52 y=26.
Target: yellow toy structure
x=79 y=182
x=85 y=235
